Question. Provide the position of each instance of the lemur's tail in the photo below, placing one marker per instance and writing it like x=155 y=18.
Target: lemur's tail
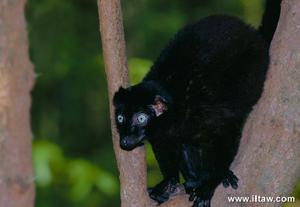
x=270 y=19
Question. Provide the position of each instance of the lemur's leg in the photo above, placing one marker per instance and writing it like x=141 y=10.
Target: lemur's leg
x=167 y=158
x=202 y=174
x=191 y=167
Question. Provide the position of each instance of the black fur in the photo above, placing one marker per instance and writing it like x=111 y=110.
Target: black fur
x=192 y=104
x=270 y=19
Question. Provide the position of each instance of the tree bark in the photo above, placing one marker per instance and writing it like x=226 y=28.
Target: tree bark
x=16 y=81
x=132 y=165
x=268 y=161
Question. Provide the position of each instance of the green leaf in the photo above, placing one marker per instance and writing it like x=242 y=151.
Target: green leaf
x=138 y=68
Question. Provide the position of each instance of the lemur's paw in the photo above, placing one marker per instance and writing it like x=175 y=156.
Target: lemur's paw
x=230 y=179
x=197 y=194
x=162 y=191
x=201 y=203
x=201 y=198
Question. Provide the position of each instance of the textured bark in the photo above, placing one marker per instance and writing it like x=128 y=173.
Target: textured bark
x=268 y=161
x=132 y=165
x=16 y=81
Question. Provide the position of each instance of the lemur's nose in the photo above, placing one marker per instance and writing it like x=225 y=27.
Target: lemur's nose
x=124 y=143
x=128 y=143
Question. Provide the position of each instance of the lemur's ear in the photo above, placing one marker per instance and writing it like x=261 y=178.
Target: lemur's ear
x=159 y=105
x=119 y=96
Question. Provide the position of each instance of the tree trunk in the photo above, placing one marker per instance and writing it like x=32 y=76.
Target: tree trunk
x=268 y=161
x=16 y=81
x=132 y=165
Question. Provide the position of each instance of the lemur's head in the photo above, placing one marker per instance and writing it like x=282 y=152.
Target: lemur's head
x=136 y=108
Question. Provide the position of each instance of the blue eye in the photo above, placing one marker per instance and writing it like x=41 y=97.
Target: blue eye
x=142 y=118
x=120 y=118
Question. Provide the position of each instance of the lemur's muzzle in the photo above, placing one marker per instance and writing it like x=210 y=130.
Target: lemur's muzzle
x=128 y=143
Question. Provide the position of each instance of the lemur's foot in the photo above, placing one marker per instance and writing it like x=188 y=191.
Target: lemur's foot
x=199 y=202
x=197 y=194
x=230 y=179
x=162 y=191
x=200 y=197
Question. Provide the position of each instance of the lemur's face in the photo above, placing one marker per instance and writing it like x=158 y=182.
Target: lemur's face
x=133 y=115
x=132 y=124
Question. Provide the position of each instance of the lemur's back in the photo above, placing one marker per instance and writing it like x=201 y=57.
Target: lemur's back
x=218 y=59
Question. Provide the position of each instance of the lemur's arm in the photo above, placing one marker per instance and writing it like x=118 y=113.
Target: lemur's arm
x=168 y=160
x=203 y=174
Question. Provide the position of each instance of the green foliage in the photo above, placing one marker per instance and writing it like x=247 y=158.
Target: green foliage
x=297 y=191
x=80 y=176
x=138 y=68
x=83 y=175
x=72 y=150
x=47 y=157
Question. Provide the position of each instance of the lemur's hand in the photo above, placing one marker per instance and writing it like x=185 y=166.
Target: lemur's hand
x=230 y=179
x=198 y=194
x=162 y=191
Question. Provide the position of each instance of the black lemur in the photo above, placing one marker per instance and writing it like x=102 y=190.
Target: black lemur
x=192 y=104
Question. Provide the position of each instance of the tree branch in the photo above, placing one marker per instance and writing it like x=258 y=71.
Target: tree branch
x=16 y=81
x=132 y=165
x=268 y=161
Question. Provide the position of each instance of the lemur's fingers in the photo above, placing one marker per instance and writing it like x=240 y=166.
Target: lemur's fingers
x=201 y=203
x=234 y=184
x=159 y=198
x=149 y=190
x=232 y=179
x=192 y=196
x=225 y=183
x=163 y=191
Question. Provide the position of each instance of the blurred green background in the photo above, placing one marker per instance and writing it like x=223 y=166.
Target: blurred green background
x=72 y=149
